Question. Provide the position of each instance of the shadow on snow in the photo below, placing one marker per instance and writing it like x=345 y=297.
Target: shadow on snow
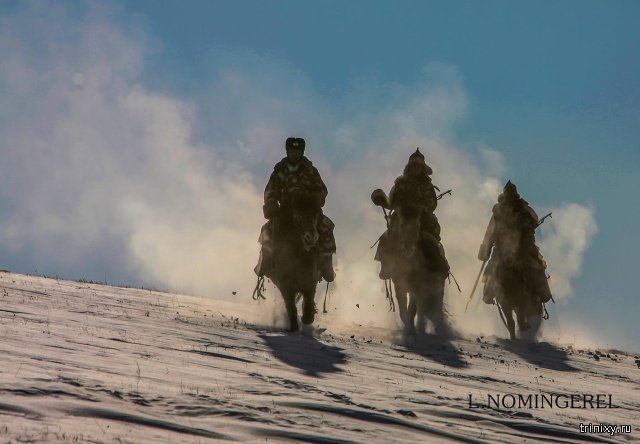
x=541 y=354
x=433 y=347
x=306 y=353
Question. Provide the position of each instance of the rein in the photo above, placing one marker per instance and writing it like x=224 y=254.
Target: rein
x=389 y=292
x=376 y=242
x=258 y=292
x=546 y=313
x=324 y=306
x=449 y=276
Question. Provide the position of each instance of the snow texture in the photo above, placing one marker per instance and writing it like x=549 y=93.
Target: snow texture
x=83 y=362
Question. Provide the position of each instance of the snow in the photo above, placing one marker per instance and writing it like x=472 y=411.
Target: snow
x=83 y=362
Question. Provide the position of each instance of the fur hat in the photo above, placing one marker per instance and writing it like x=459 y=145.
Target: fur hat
x=295 y=143
x=417 y=155
x=509 y=192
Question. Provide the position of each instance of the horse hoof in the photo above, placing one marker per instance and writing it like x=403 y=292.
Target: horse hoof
x=524 y=326
x=444 y=332
x=409 y=330
x=311 y=331
x=307 y=329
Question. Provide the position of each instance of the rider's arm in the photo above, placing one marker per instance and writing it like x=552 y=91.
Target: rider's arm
x=394 y=194
x=272 y=190
x=271 y=196
x=318 y=188
x=431 y=201
x=532 y=215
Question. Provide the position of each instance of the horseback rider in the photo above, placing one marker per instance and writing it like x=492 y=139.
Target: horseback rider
x=413 y=188
x=512 y=216
x=293 y=174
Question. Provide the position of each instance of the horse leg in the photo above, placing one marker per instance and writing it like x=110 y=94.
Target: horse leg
x=522 y=316
x=436 y=307
x=412 y=310
x=535 y=321
x=308 y=306
x=418 y=306
x=292 y=312
x=421 y=311
x=507 y=310
x=401 y=297
x=534 y=313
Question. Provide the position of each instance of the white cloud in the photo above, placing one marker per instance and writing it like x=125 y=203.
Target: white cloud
x=492 y=161
x=564 y=241
x=101 y=163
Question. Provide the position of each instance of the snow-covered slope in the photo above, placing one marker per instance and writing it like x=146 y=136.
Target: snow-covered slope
x=91 y=363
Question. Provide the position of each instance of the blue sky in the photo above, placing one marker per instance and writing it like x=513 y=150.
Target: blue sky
x=552 y=87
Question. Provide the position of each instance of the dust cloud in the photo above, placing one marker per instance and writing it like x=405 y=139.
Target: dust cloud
x=101 y=175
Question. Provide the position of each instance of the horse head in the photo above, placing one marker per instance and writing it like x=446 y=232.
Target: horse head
x=305 y=212
x=407 y=229
x=509 y=247
x=510 y=239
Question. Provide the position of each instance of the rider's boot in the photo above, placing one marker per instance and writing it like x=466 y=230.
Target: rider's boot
x=263 y=268
x=382 y=254
x=259 y=268
x=326 y=268
x=489 y=291
x=385 y=272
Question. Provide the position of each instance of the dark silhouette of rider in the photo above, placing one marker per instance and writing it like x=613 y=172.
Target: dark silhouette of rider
x=413 y=189
x=513 y=223
x=295 y=174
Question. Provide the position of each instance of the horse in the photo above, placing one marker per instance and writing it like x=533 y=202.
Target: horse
x=295 y=270
x=512 y=281
x=419 y=271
